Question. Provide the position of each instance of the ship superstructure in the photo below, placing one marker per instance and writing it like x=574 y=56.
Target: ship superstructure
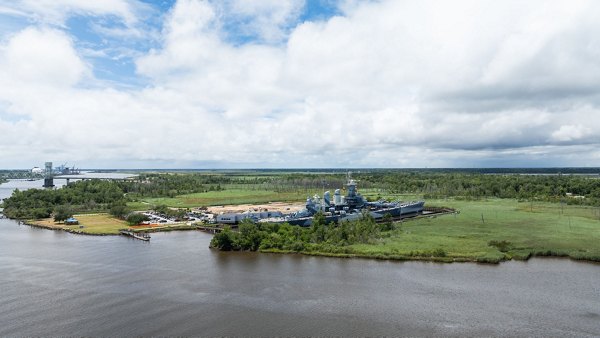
x=346 y=208
x=350 y=206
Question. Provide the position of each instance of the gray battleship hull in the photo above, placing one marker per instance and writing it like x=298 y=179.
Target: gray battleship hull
x=342 y=208
x=404 y=209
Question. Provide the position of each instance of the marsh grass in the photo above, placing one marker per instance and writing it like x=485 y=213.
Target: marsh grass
x=493 y=230
x=484 y=230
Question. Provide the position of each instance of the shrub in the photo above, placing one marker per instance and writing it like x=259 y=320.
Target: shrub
x=439 y=252
x=503 y=246
x=62 y=212
x=297 y=246
x=225 y=240
x=135 y=218
x=119 y=211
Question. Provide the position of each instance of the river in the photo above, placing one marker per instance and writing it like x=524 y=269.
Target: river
x=54 y=283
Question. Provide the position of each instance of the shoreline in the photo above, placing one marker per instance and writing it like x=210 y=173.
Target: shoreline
x=32 y=224
x=443 y=260
x=72 y=231
x=347 y=255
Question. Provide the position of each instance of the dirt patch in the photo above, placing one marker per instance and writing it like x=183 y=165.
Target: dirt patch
x=284 y=207
x=151 y=225
x=48 y=223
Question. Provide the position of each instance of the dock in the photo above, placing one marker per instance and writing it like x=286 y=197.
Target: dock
x=141 y=236
x=212 y=230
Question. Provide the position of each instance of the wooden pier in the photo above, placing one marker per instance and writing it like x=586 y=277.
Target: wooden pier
x=212 y=230
x=141 y=236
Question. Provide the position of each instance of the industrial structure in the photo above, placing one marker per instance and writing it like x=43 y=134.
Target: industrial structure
x=64 y=170
x=48 y=175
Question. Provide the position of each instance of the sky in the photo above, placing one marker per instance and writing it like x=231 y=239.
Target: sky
x=299 y=83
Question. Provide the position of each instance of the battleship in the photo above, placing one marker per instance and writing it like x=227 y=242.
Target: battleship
x=350 y=207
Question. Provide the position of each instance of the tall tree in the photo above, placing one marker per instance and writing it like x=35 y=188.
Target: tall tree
x=62 y=212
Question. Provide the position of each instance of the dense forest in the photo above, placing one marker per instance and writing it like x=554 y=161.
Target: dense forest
x=554 y=188
x=81 y=196
x=170 y=184
x=567 y=188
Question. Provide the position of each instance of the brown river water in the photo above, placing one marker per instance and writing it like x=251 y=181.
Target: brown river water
x=54 y=283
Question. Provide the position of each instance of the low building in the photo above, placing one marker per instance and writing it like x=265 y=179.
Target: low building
x=235 y=218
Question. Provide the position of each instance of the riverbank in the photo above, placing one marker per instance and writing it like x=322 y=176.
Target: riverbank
x=103 y=224
x=434 y=259
x=100 y=224
x=485 y=231
x=491 y=231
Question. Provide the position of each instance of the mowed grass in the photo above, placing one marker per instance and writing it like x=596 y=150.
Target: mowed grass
x=224 y=197
x=93 y=224
x=232 y=196
x=530 y=229
x=139 y=205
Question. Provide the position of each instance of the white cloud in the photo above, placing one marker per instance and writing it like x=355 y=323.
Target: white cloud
x=388 y=83
x=57 y=11
x=570 y=133
x=111 y=19
x=4 y=10
x=267 y=19
x=42 y=57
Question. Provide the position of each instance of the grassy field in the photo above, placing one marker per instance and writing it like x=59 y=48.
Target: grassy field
x=519 y=229
x=237 y=195
x=233 y=196
x=526 y=229
x=93 y=224
x=139 y=205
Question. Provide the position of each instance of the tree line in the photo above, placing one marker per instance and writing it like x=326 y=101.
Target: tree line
x=90 y=195
x=172 y=184
x=105 y=195
x=99 y=195
x=552 y=188
x=320 y=236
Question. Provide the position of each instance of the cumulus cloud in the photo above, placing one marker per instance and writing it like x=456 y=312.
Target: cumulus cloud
x=386 y=83
x=269 y=20
x=42 y=57
x=56 y=12
x=570 y=132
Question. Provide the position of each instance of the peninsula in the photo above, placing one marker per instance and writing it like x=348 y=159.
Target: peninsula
x=493 y=216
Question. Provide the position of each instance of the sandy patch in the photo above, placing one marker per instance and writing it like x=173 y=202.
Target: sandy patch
x=49 y=223
x=284 y=207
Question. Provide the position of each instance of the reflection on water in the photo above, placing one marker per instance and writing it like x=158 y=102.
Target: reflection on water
x=55 y=283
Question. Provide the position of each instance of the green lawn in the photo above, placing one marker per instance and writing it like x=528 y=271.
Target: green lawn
x=91 y=224
x=139 y=205
x=234 y=194
x=538 y=228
